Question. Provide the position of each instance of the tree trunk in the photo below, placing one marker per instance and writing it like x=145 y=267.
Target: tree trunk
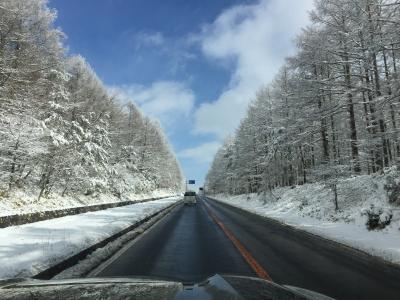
x=335 y=198
x=352 y=120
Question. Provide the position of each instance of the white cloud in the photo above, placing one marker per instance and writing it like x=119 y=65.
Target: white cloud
x=202 y=154
x=167 y=101
x=149 y=39
x=257 y=38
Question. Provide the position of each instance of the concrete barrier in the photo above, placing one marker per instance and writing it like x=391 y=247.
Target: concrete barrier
x=13 y=220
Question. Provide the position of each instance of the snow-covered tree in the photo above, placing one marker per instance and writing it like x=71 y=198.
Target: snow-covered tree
x=61 y=131
x=332 y=110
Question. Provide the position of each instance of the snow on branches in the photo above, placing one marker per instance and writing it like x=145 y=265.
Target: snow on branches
x=332 y=110
x=60 y=129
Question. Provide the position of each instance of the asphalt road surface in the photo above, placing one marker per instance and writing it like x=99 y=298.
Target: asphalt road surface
x=188 y=245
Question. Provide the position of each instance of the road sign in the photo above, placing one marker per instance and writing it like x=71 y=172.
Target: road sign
x=192 y=181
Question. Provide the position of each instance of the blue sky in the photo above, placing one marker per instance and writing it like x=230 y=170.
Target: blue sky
x=193 y=65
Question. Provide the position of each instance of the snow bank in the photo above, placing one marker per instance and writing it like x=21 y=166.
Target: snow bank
x=31 y=248
x=21 y=202
x=311 y=208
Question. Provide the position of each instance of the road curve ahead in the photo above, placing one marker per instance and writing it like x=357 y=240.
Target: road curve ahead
x=189 y=245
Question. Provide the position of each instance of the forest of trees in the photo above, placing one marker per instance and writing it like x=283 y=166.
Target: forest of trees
x=332 y=110
x=61 y=131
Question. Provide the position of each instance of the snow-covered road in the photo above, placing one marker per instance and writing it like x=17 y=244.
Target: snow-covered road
x=31 y=248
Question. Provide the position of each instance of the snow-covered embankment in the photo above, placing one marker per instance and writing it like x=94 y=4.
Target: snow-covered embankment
x=29 y=249
x=310 y=207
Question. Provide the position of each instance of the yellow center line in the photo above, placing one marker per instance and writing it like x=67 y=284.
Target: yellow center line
x=257 y=268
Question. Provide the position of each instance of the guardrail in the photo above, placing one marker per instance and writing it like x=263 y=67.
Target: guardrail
x=13 y=220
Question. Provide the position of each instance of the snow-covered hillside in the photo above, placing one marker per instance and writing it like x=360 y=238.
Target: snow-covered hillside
x=311 y=207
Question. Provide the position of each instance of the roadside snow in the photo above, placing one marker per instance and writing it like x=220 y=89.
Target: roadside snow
x=31 y=248
x=21 y=202
x=94 y=261
x=310 y=207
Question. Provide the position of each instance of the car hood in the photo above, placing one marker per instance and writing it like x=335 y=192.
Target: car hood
x=219 y=287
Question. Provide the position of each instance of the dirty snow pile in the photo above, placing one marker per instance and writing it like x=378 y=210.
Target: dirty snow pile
x=311 y=207
x=31 y=248
x=20 y=202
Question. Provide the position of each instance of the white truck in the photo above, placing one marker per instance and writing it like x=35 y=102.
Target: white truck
x=189 y=198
